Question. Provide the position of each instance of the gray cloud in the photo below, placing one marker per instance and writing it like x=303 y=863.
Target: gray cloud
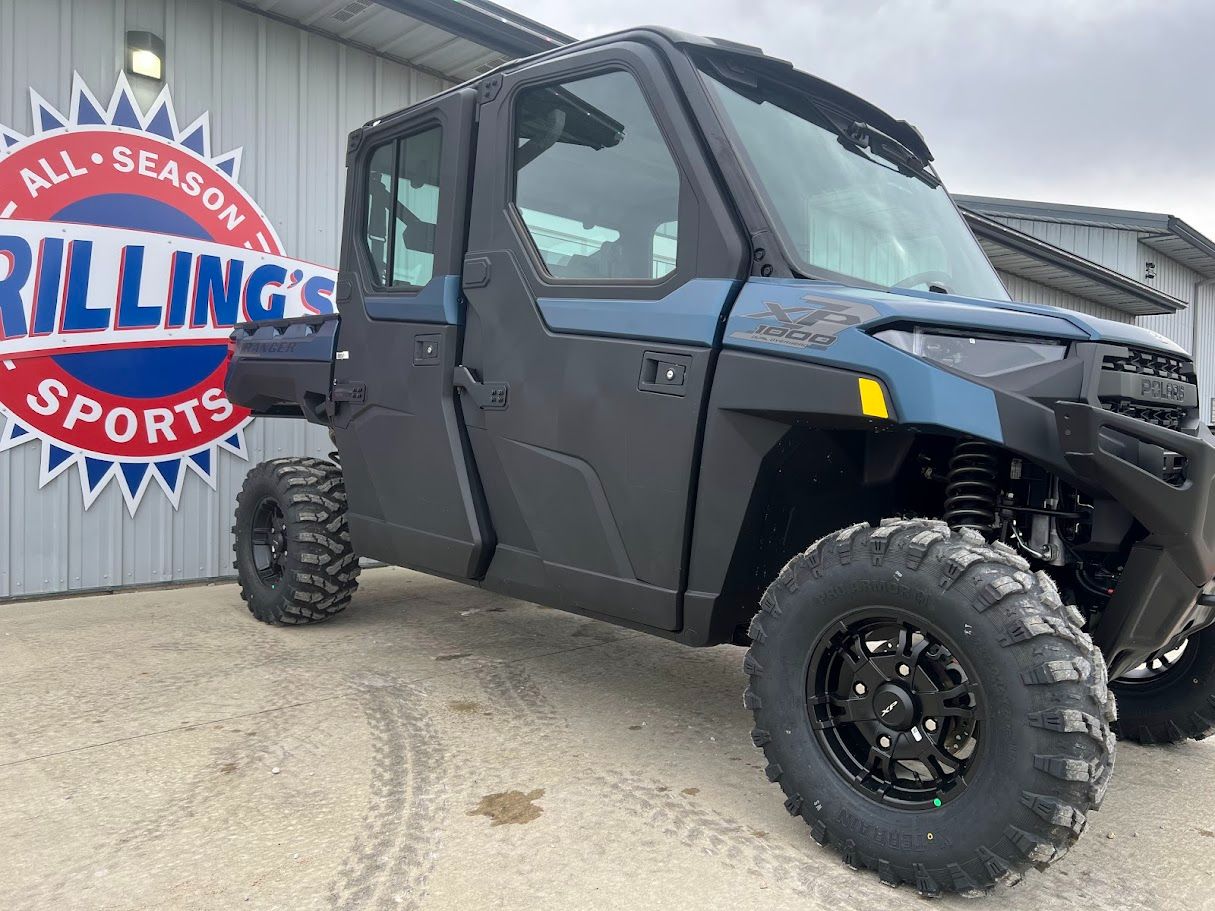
x=1094 y=102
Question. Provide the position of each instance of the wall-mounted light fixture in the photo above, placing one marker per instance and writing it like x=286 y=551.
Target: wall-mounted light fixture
x=145 y=55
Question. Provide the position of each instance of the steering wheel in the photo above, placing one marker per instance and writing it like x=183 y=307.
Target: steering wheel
x=944 y=279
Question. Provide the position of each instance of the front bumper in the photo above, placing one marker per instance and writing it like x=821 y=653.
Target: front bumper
x=1159 y=596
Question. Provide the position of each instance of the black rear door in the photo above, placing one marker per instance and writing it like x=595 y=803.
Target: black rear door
x=413 y=494
x=601 y=256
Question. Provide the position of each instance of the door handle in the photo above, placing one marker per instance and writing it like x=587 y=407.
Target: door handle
x=666 y=374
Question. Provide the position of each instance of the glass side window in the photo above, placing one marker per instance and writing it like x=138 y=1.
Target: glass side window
x=403 y=209
x=595 y=183
x=666 y=242
x=379 y=214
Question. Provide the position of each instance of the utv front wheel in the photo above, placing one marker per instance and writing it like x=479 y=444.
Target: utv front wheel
x=1171 y=697
x=929 y=706
x=292 y=547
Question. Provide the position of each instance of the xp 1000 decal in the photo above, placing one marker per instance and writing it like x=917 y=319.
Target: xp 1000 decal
x=127 y=253
x=816 y=325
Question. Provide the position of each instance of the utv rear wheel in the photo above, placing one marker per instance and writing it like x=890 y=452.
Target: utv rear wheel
x=1171 y=697
x=929 y=706
x=292 y=547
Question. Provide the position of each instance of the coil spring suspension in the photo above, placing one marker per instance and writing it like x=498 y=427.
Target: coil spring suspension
x=971 y=493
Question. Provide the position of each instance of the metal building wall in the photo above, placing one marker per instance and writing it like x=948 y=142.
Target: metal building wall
x=1110 y=247
x=1194 y=330
x=1024 y=289
x=288 y=98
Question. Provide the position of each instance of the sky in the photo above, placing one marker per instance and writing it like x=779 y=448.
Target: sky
x=1092 y=102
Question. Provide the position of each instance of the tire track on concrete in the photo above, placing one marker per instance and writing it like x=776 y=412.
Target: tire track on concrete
x=736 y=845
x=817 y=874
x=393 y=856
x=636 y=795
x=167 y=816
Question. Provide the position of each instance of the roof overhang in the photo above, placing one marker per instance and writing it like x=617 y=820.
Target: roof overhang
x=1026 y=256
x=1166 y=233
x=454 y=40
x=1182 y=243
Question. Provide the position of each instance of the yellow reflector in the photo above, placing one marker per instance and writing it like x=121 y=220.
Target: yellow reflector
x=873 y=400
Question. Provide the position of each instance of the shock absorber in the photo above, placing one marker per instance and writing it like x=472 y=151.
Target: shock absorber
x=971 y=493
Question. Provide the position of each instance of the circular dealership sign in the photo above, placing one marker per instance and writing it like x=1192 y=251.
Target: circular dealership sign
x=127 y=254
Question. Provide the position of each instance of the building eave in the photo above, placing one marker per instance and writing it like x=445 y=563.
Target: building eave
x=1029 y=257
x=484 y=23
x=1168 y=234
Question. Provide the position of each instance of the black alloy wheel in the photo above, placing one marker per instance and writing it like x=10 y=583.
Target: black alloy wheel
x=895 y=709
x=268 y=536
x=1171 y=696
x=1160 y=666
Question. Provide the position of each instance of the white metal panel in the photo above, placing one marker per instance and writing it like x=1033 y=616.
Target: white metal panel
x=1194 y=330
x=1110 y=247
x=1024 y=289
x=1171 y=276
x=388 y=32
x=289 y=98
x=1204 y=349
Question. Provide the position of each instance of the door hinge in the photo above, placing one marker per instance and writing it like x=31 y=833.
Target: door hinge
x=488 y=396
x=348 y=392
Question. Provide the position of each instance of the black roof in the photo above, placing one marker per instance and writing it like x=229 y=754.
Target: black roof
x=771 y=66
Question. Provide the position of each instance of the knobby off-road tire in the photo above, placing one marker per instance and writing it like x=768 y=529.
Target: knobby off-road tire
x=1044 y=747
x=291 y=544
x=1170 y=704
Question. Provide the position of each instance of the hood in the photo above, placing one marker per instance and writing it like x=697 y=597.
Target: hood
x=930 y=308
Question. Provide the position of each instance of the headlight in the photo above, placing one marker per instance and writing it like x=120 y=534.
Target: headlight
x=977 y=355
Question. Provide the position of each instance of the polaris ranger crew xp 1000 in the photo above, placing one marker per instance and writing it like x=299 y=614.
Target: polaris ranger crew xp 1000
x=660 y=330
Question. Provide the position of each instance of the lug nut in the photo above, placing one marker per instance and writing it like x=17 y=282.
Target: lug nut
x=884 y=742
x=904 y=670
x=930 y=724
x=859 y=689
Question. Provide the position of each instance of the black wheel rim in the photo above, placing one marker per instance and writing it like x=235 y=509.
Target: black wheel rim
x=1160 y=667
x=268 y=535
x=896 y=709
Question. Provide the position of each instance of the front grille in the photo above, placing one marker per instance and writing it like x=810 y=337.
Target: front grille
x=1166 y=416
x=1151 y=363
x=1168 y=368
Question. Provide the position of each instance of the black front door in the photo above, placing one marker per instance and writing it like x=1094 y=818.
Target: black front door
x=414 y=498
x=600 y=260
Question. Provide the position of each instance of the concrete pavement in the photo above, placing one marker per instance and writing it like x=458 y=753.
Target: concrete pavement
x=436 y=747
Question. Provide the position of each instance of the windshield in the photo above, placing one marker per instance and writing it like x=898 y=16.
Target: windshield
x=850 y=199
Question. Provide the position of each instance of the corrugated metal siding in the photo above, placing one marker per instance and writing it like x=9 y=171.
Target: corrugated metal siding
x=1023 y=289
x=1114 y=248
x=1171 y=276
x=288 y=98
x=1204 y=355
x=1200 y=340
x=1110 y=247
x=389 y=32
